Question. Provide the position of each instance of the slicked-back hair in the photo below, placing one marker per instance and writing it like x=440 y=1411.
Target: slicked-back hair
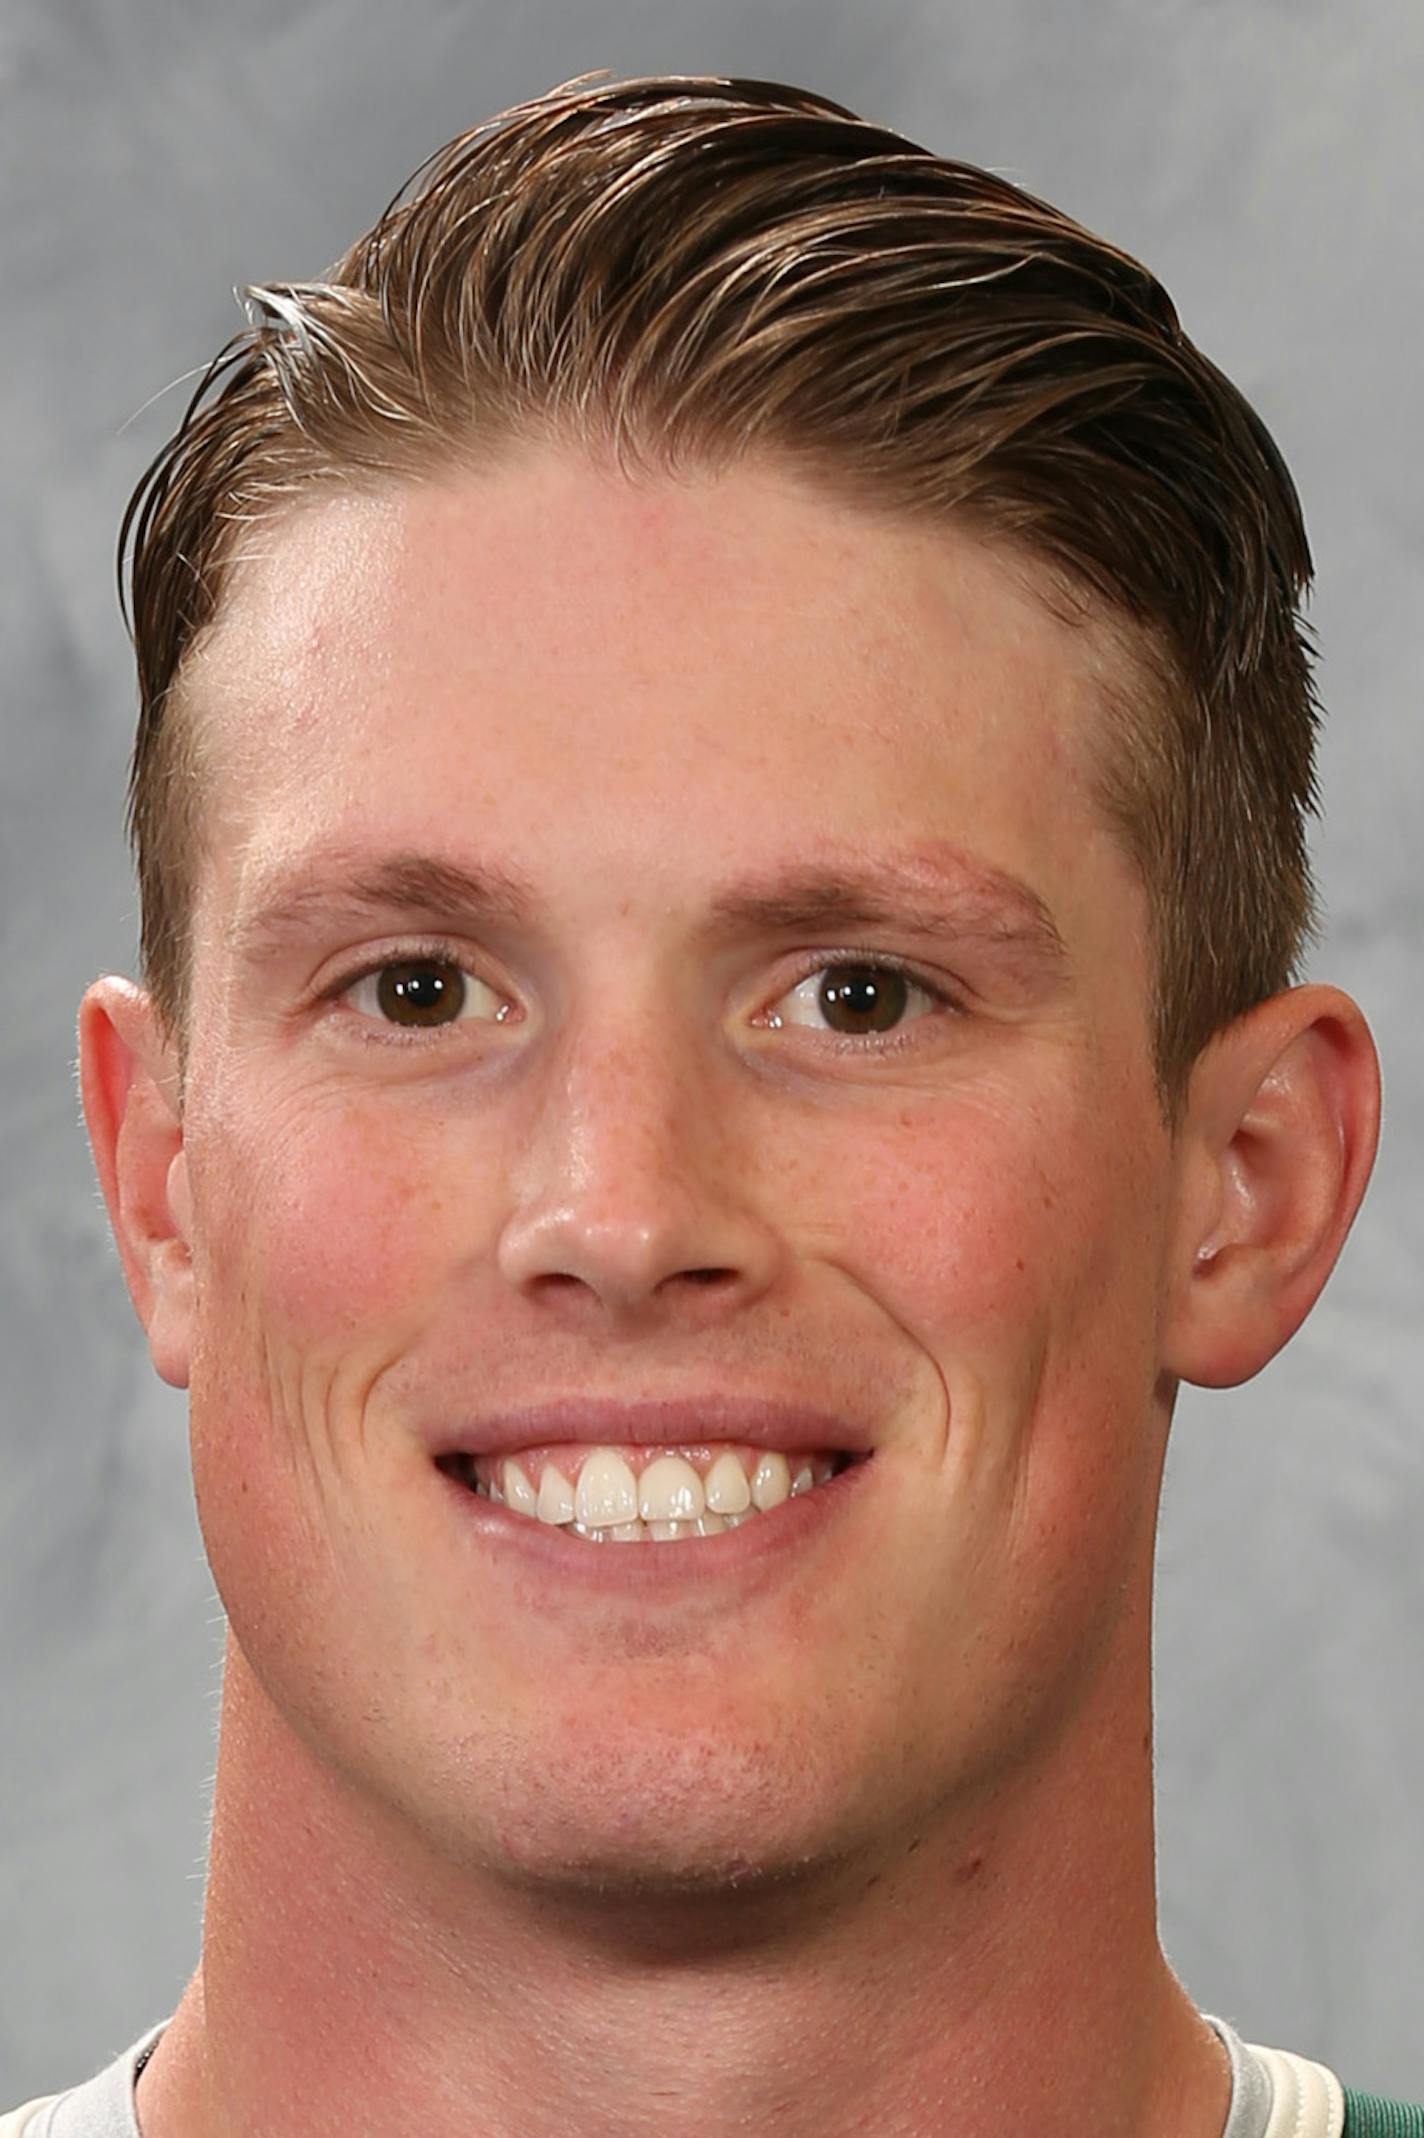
x=683 y=273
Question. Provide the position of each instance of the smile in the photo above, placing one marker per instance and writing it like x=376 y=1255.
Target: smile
x=632 y=1495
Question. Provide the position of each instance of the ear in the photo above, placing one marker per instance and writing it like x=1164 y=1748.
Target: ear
x=1275 y=1149
x=128 y=1076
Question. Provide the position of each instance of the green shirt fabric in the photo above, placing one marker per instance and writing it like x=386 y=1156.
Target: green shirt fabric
x=1367 y=2116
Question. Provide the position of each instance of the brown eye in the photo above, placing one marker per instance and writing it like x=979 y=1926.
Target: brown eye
x=857 y=1000
x=863 y=998
x=420 y=992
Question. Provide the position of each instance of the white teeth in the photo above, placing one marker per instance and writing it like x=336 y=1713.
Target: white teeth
x=771 y=1480
x=726 y=1488
x=607 y=1491
x=670 y=1490
x=668 y=1503
x=556 y=1496
x=518 y=1491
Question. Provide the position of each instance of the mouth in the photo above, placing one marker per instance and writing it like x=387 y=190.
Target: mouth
x=625 y=1493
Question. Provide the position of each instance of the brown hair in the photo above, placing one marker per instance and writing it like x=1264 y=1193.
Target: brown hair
x=685 y=271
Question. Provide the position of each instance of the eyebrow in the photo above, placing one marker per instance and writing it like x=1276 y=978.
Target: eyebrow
x=952 y=896
x=956 y=899
x=417 y=885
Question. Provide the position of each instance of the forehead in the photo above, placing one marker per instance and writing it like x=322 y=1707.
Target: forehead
x=665 y=670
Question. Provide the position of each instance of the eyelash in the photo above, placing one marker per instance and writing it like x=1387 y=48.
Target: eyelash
x=434 y=952
x=431 y=952
x=874 y=961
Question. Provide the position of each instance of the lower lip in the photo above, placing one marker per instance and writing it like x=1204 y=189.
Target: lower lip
x=762 y=1545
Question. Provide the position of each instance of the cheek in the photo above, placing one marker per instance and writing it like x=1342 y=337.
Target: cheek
x=1020 y=1252
x=961 y=1221
x=325 y=1231
x=324 y=1223
x=1022 y=1259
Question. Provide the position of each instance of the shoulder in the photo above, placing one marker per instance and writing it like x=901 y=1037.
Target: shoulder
x=13 y=2123
x=1308 y=2101
x=102 y=2107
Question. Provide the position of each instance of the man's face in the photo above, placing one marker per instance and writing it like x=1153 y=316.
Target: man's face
x=640 y=781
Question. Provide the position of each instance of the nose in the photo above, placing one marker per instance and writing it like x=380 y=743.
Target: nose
x=632 y=1200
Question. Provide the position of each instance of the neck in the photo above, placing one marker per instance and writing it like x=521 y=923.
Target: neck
x=1000 y=1972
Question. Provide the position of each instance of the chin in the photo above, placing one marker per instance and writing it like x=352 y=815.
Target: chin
x=675 y=1817
x=666 y=1903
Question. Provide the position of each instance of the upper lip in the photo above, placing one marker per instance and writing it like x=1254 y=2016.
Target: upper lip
x=684 y=1421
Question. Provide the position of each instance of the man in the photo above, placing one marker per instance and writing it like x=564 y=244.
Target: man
x=719 y=805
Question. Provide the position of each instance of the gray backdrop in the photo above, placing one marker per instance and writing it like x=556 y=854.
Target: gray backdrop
x=1265 y=157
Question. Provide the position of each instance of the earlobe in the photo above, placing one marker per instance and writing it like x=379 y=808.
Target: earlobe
x=129 y=1083
x=1276 y=1146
